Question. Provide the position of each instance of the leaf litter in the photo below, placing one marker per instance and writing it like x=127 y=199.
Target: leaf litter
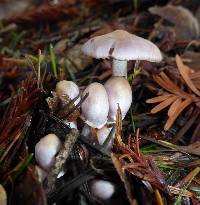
x=155 y=156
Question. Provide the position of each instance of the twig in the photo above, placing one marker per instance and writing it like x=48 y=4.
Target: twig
x=61 y=158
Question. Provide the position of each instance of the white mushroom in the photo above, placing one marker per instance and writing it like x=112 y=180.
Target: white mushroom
x=121 y=46
x=119 y=92
x=67 y=88
x=40 y=173
x=102 y=135
x=101 y=189
x=95 y=107
x=46 y=149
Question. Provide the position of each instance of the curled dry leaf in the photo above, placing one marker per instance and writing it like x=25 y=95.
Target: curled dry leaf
x=174 y=106
x=164 y=104
x=183 y=69
x=178 y=111
x=185 y=24
x=175 y=97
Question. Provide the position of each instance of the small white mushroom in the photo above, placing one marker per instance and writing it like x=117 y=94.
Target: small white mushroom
x=119 y=92
x=102 y=135
x=67 y=88
x=101 y=189
x=46 y=149
x=121 y=46
x=95 y=107
x=40 y=173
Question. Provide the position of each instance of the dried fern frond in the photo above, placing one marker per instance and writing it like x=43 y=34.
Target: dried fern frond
x=173 y=96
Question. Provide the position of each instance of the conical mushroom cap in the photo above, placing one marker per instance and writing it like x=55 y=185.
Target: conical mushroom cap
x=122 y=45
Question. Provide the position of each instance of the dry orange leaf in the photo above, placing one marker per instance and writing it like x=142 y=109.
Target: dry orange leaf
x=183 y=69
x=174 y=106
x=169 y=82
x=179 y=109
x=158 y=99
x=175 y=97
x=162 y=83
x=164 y=104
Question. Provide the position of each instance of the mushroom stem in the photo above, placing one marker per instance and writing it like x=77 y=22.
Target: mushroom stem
x=119 y=68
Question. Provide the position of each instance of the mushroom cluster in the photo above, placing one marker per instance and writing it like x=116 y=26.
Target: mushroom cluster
x=120 y=46
x=100 y=106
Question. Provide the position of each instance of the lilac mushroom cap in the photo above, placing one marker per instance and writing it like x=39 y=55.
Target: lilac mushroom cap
x=121 y=46
x=102 y=189
x=67 y=88
x=46 y=150
x=119 y=92
x=95 y=107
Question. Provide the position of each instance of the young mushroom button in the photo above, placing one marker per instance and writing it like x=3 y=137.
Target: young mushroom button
x=95 y=107
x=121 y=46
x=102 y=189
x=69 y=89
x=119 y=92
x=46 y=150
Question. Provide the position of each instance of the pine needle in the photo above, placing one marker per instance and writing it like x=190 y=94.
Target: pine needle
x=183 y=69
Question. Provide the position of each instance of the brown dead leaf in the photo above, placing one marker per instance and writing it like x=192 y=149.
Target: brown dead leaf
x=164 y=104
x=183 y=69
x=176 y=96
x=158 y=99
x=179 y=109
x=174 y=106
x=185 y=24
x=166 y=83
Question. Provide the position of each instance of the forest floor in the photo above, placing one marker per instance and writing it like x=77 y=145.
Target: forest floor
x=154 y=159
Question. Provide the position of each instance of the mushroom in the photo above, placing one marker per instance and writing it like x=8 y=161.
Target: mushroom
x=40 y=173
x=102 y=189
x=67 y=88
x=121 y=46
x=95 y=107
x=46 y=149
x=119 y=92
x=102 y=135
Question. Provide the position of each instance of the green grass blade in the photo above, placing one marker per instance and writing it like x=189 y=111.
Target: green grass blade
x=24 y=166
x=53 y=61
